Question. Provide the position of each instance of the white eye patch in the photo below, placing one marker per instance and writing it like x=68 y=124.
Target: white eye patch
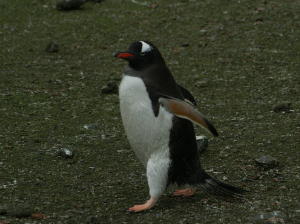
x=145 y=47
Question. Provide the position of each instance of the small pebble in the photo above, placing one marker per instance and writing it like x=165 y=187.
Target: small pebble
x=52 y=47
x=65 y=5
x=65 y=153
x=275 y=217
x=110 y=88
x=283 y=108
x=90 y=126
x=202 y=143
x=266 y=161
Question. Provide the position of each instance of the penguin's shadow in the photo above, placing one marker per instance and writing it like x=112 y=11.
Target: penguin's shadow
x=172 y=202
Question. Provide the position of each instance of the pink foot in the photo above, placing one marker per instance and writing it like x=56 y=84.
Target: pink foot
x=138 y=208
x=188 y=192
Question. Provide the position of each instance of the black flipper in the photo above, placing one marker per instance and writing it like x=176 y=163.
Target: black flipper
x=187 y=95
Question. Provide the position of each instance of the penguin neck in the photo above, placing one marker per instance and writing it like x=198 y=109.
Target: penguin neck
x=157 y=77
x=155 y=73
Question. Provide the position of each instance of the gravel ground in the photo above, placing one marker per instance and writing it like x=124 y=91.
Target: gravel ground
x=64 y=157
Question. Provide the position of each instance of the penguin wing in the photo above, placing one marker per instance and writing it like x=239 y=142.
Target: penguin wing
x=187 y=95
x=187 y=111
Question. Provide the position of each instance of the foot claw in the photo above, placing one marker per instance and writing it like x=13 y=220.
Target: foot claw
x=188 y=192
x=139 y=208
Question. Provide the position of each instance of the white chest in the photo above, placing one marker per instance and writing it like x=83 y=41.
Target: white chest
x=148 y=135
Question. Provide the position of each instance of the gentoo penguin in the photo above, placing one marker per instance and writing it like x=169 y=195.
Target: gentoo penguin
x=158 y=116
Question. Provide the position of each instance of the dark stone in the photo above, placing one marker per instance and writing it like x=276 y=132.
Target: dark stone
x=185 y=45
x=52 y=47
x=282 y=107
x=65 y=153
x=110 y=88
x=65 y=5
x=202 y=143
x=266 y=161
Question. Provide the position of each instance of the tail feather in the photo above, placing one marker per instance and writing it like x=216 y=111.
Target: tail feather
x=216 y=187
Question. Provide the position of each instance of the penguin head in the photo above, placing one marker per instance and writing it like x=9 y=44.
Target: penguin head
x=141 y=54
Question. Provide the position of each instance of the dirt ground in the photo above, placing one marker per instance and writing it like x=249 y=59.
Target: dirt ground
x=241 y=61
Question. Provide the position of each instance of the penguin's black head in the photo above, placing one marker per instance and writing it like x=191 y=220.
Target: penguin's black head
x=141 y=54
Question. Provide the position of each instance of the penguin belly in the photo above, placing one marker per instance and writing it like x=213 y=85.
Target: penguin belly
x=148 y=135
